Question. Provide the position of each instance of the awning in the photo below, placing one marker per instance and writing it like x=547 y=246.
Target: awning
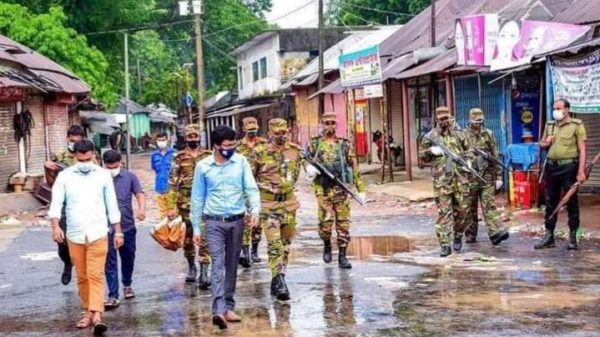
x=101 y=128
x=237 y=109
x=333 y=88
x=226 y=111
x=99 y=118
x=442 y=62
x=397 y=65
x=573 y=48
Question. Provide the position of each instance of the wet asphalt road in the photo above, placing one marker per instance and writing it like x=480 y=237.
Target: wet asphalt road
x=398 y=286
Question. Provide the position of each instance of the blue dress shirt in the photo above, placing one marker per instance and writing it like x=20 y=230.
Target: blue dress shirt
x=221 y=189
x=161 y=164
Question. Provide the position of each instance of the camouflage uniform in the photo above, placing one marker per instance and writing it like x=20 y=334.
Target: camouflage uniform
x=484 y=140
x=251 y=235
x=66 y=157
x=333 y=201
x=276 y=170
x=180 y=192
x=450 y=181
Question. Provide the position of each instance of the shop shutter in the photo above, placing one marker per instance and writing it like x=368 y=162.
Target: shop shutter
x=592 y=128
x=396 y=111
x=9 y=153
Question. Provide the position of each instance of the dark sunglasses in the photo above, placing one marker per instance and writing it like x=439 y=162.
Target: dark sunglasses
x=330 y=123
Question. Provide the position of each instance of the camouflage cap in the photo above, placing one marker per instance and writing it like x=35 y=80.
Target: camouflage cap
x=329 y=117
x=250 y=124
x=277 y=124
x=476 y=114
x=192 y=129
x=442 y=112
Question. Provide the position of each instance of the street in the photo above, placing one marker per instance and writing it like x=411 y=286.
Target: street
x=399 y=286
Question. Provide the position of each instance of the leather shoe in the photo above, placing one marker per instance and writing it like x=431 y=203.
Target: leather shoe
x=499 y=237
x=65 y=278
x=546 y=242
x=245 y=257
x=232 y=317
x=445 y=251
x=219 y=321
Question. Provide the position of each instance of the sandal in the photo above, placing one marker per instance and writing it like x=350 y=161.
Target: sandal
x=99 y=328
x=84 y=322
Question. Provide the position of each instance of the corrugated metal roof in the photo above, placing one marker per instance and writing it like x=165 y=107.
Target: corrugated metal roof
x=439 y=63
x=132 y=106
x=56 y=77
x=333 y=88
x=580 y=12
x=398 y=65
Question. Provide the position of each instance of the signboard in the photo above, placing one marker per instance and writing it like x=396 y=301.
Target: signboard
x=525 y=104
x=475 y=38
x=480 y=41
x=577 y=80
x=188 y=99
x=373 y=91
x=360 y=68
x=11 y=94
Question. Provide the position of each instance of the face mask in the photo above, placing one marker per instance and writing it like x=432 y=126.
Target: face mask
x=162 y=144
x=84 y=168
x=279 y=140
x=330 y=130
x=114 y=172
x=71 y=146
x=251 y=134
x=227 y=153
x=558 y=114
x=193 y=144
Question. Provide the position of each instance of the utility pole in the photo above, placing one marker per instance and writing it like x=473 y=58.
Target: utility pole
x=200 y=69
x=432 y=38
x=127 y=142
x=321 y=60
x=139 y=79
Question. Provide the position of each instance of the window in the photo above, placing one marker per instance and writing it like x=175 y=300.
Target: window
x=255 y=71
x=263 y=67
x=241 y=78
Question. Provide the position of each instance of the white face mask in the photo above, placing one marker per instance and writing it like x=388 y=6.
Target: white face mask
x=161 y=144
x=114 y=172
x=71 y=146
x=558 y=114
x=84 y=168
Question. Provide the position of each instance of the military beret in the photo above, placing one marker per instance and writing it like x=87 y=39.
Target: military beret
x=277 y=124
x=192 y=129
x=329 y=117
x=476 y=114
x=250 y=124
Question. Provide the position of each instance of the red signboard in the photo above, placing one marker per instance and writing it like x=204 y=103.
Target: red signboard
x=11 y=94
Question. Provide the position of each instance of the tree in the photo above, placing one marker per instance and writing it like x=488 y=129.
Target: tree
x=376 y=12
x=47 y=34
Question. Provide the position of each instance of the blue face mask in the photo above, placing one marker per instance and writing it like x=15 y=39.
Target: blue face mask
x=227 y=153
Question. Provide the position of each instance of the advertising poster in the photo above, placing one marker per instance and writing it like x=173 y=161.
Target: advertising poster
x=360 y=68
x=578 y=80
x=525 y=114
x=475 y=37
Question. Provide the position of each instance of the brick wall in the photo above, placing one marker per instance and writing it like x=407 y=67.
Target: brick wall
x=9 y=150
x=58 y=124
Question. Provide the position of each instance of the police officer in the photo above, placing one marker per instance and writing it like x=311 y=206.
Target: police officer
x=450 y=181
x=338 y=156
x=244 y=147
x=483 y=139
x=276 y=166
x=565 y=139
x=179 y=195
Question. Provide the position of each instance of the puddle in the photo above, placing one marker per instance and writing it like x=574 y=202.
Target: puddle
x=365 y=247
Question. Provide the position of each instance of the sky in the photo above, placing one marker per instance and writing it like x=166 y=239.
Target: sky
x=294 y=13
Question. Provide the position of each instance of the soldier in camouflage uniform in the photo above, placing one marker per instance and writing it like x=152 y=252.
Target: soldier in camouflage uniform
x=67 y=158
x=338 y=156
x=483 y=139
x=245 y=147
x=450 y=181
x=276 y=166
x=178 y=197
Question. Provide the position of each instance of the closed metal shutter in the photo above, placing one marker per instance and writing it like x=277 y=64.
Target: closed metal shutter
x=396 y=111
x=9 y=149
x=592 y=128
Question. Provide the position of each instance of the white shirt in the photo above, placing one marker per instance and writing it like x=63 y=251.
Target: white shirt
x=88 y=199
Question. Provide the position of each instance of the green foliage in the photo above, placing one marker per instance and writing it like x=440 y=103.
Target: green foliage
x=47 y=34
x=376 y=12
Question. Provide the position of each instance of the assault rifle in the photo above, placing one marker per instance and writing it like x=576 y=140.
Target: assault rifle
x=457 y=159
x=490 y=158
x=325 y=172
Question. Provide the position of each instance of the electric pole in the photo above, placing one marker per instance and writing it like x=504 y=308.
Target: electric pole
x=139 y=79
x=127 y=119
x=432 y=23
x=321 y=60
x=200 y=69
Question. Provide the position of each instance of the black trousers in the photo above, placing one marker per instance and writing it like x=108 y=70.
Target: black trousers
x=63 y=248
x=558 y=179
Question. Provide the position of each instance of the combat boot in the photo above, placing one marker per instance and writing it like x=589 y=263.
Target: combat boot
x=499 y=237
x=203 y=281
x=255 y=257
x=342 y=260
x=192 y=271
x=445 y=251
x=573 y=240
x=327 y=251
x=457 y=245
x=245 y=257
x=546 y=242
x=471 y=239
x=281 y=289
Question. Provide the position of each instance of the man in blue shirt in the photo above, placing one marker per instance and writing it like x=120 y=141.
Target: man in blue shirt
x=126 y=185
x=161 y=164
x=222 y=183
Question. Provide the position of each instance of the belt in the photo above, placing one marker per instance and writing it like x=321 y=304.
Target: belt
x=276 y=197
x=562 y=161
x=230 y=218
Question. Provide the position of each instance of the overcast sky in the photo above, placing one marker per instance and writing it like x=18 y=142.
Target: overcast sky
x=304 y=17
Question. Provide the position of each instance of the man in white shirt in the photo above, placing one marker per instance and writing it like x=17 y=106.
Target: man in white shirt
x=89 y=198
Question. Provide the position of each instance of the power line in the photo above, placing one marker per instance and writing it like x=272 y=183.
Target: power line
x=229 y=57
x=378 y=10
x=125 y=30
x=358 y=17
